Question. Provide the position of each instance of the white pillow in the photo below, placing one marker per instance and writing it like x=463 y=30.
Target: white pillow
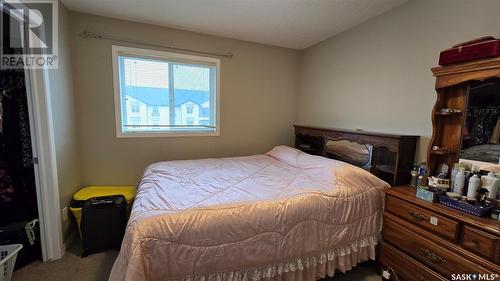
x=285 y=154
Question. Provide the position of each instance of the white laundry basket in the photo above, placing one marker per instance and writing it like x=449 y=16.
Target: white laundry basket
x=8 y=255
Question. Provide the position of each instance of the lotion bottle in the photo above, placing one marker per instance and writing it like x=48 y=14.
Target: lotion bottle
x=459 y=182
x=474 y=183
x=491 y=183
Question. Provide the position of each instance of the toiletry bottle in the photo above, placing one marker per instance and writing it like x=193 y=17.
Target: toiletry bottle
x=414 y=176
x=491 y=183
x=468 y=175
x=498 y=189
x=453 y=174
x=422 y=169
x=482 y=195
x=474 y=184
x=459 y=181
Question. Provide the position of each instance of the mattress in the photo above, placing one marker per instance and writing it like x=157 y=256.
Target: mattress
x=284 y=215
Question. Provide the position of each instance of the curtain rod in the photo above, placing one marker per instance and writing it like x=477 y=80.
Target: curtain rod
x=87 y=34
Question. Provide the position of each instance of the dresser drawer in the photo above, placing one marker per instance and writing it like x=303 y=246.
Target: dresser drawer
x=426 y=219
x=404 y=266
x=441 y=260
x=481 y=243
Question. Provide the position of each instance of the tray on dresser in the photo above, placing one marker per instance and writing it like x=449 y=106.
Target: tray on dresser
x=475 y=210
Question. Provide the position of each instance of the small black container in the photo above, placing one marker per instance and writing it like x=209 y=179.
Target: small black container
x=103 y=223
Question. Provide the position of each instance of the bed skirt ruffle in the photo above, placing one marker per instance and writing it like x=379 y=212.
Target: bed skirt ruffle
x=304 y=268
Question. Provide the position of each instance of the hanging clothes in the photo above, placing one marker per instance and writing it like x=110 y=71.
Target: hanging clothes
x=6 y=187
x=481 y=122
x=495 y=136
x=16 y=132
x=17 y=179
x=477 y=132
x=18 y=199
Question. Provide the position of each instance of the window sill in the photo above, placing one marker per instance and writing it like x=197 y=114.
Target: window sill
x=178 y=134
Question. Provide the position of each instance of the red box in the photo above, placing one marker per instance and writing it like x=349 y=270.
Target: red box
x=484 y=47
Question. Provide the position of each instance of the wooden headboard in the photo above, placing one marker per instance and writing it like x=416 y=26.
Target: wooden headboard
x=392 y=155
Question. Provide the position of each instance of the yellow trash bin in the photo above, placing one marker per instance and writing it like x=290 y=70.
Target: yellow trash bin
x=96 y=191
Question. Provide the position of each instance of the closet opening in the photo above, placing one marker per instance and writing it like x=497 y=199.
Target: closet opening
x=19 y=219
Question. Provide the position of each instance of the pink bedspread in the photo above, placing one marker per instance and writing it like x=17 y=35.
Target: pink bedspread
x=282 y=215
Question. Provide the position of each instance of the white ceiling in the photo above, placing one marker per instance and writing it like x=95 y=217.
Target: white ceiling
x=295 y=24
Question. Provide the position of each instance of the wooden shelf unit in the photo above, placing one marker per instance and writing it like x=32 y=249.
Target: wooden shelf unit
x=438 y=113
x=453 y=84
x=430 y=241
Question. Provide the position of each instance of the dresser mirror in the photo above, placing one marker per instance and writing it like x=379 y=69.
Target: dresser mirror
x=481 y=132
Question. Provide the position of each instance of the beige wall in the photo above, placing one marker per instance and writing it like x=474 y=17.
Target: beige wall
x=258 y=101
x=64 y=121
x=377 y=76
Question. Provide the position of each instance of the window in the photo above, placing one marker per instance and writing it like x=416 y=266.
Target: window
x=135 y=107
x=135 y=120
x=204 y=112
x=163 y=84
x=155 y=112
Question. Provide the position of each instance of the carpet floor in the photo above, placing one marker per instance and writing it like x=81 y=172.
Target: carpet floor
x=97 y=267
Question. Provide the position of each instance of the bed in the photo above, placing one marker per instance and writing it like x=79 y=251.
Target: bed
x=284 y=215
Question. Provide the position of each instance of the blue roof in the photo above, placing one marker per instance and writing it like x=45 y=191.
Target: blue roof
x=159 y=96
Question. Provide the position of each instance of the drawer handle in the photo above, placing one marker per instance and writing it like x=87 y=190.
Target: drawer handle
x=418 y=216
x=433 y=257
x=476 y=242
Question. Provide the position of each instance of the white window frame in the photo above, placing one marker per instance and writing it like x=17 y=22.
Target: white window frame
x=162 y=55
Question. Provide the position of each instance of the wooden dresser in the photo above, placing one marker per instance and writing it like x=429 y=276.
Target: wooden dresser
x=429 y=241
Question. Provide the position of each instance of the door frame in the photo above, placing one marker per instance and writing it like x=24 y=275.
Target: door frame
x=45 y=162
x=44 y=156
x=37 y=86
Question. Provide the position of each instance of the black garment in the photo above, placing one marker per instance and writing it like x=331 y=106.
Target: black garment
x=6 y=186
x=16 y=166
x=481 y=122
